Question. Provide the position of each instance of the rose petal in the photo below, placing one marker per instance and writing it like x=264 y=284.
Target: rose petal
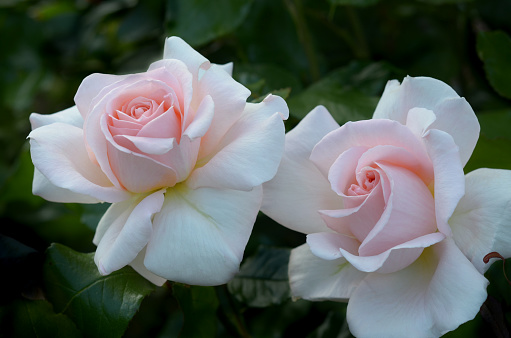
x=202 y=119
x=68 y=116
x=409 y=213
x=181 y=159
x=394 y=259
x=326 y=245
x=313 y=278
x=225 y=67
x=177 y=48
x=294 y=196
x=481 y=221
x=43 y=187
x=59 y=153
x=399 y=157
x=249 y=153
x=138 y=265
x=167 y=125
x=436 y=294
x=90 y=87
x=415 y=92
x=419 y=120
x=128 y=229
x=449 y=179
x=200 y=235
x=97 y=135
x=453 y=114
x=138 y=173
x=357 y=220
x=343 y=171
x=368 y=133
x=229 y=98
x=147 y=145
x=180 y=78
x=456 y=117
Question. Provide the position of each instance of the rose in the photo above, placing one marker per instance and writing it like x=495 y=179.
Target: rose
x=178 y=152
x=392 y=223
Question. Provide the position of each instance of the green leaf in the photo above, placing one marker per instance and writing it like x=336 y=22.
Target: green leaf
x=361 y=3
x=266 y=78
x=199 y=305
x=492 y=149
x=470 y=329
x=442 y=2
x=19 y=185
x=100 y=306
x=284 y=93
x=262 y=280
x=37 y=319
x=494 y=49
x=200 y=21
x=92 y=213
x=495 y=123
x=334 y=326
x=350 y=93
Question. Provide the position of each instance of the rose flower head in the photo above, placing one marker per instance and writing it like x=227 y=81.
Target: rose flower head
x=179 y=154
x=393 y=225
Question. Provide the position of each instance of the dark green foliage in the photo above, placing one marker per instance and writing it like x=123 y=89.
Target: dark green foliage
x=494 y=49
x=338 y=53
x=262 y=280
x=98 y=305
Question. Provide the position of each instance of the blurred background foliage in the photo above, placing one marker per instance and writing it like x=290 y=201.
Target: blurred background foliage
x=339 y=53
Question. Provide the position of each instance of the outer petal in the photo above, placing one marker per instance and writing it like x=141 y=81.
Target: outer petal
x=227 y=67
x=202 y=119
x=128 y=229
x=249 y=153
x=414 y=92
x=229 y=97
x=436 y=294
x=138 y=265
x=177 y=48
x=200 y=235
x=331 y=246
x=90 y=87
x=481 y=223
x=456 y=117
x=294 y=196
x=449 y=179
x=396 y=258
x=68 y=116
x=313 y=278
x=326 y=245
x=59 y=153
x=453 y=114
x=43 y=187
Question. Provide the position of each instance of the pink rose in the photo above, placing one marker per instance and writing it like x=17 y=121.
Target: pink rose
x=393 y=224
x=178 y=152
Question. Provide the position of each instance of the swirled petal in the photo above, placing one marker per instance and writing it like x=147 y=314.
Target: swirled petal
x=481 y=223
x=68 y=116
x=434 y=295
x=59 y=153
x=294 y=196
x=200 y=235
x=314 y=278
x=249 y=153
x=128 y=228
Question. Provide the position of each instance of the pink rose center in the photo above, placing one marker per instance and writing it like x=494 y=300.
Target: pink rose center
x=367 y=179
x=140 y=117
